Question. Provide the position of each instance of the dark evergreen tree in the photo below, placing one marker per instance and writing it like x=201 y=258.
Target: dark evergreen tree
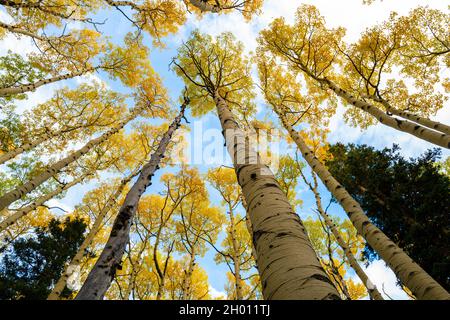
x=409 y=199
x=32 y=265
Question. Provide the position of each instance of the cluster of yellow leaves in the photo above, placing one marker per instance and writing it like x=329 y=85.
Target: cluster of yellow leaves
x=414 y=46
x=198 y=282
x=160 y=18
x=129 y=63
x=287 y=176
x=34 y=15
x=151 y=95
x=307 y=45
x=133 y=149
x=283 y=91
x=76 y=113
x=243 y=239
x=210 y=65
x=73 y=52
x=39 y=218
x=224 y=180
x=356 y=290
x=316 y=139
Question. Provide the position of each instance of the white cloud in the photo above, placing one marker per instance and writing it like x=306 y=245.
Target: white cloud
x=215 y=294
x=56 y=205
x=91 y=78
x=382 y=276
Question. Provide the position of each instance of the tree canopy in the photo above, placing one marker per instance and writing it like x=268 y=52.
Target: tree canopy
x=224 y=149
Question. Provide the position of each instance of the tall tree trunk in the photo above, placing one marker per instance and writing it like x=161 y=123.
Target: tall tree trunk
x=125 y=3
x=31 y=185
x=287 y=263
x=417 y=130
x=371 y=288
x=76 y=260
x=421 y=284
x=21 y=31
x=435 y=125
x=187 y=281
x=20 y=4
x=100 y=277
x=4 y=92
x=25 y=147
x=248 y=223
x=10 y=220
x=236 y=256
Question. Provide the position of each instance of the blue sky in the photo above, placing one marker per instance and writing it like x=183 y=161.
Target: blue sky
x=350 y=14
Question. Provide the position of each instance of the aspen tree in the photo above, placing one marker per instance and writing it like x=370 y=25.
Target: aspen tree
x=129 y=63
x=66 y=58
x=53 y=169
x=235 y=245
x=371 y=288
x=412 y=275
x=199 y=221
x=11 y=219
x=112 y=200
x=69 y=115
x=369 y=62
x=313 y=50
x=140 y=282
x=179 y=188
x=217 y=75
x=102 y=274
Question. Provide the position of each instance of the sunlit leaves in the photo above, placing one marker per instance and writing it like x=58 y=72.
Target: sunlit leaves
x=307 y=45
x=15 y=70
x=69 y=53
x=209 y=65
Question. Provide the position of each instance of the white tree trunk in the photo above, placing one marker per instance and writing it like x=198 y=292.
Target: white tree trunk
x=104 y=270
